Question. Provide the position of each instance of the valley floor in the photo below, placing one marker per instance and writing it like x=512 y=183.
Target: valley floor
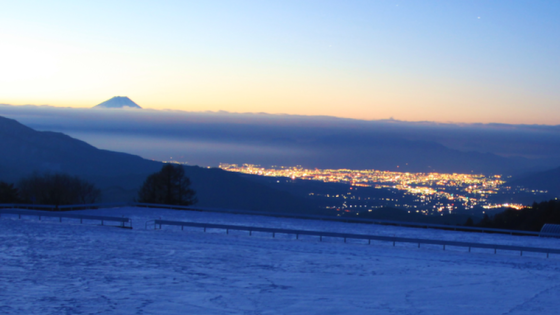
x=49 y=267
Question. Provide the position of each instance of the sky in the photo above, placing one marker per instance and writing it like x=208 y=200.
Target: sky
x=444 y=61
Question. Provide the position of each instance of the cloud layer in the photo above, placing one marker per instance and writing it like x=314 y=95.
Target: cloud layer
x=210 y=138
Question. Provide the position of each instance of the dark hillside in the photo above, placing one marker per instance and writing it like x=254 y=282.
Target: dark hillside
x=27 y=150
x=547 y=180
x=529 y=219
x=119 y=175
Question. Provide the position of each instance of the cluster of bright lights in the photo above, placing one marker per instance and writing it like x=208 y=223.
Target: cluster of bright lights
x=467 y=189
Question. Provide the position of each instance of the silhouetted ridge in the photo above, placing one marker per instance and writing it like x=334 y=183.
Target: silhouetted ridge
x=120 y=175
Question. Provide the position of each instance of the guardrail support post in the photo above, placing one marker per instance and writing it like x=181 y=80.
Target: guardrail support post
x=204 y=229
x=393 y=243
x=273 y=234
x=547 y=255
x=320 y=238
x=297 y=236
x=418 y=245
x=182 y=226
x=520 y=253
x=81 y=220
x=495 y=249
x=59 y=219
x=345 y=240
x=227 y=231
x=443 y=246
x=250 y=232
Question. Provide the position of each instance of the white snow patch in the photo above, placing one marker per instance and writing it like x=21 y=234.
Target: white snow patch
x=49 y=267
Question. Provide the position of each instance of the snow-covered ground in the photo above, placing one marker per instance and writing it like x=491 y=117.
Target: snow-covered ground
x=49 y=267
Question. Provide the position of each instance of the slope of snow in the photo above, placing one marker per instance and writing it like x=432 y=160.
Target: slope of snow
x=49 y=267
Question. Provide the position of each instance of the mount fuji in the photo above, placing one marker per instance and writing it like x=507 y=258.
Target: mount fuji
x=118 y=102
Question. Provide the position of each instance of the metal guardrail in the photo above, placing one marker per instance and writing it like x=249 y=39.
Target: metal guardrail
x=343 y=219
x=12 y=209
x=63 y=208
x=275 y=214
x=345 y=236
x=124 y=222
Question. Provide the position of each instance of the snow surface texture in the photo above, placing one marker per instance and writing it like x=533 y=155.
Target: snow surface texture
x=49 y=267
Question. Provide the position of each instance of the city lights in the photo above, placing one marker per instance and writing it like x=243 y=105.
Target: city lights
x=433 y=192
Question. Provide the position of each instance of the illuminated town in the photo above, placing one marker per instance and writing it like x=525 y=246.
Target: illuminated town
x=425 y=193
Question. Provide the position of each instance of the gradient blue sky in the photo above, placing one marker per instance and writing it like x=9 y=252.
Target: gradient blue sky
x=446 y=61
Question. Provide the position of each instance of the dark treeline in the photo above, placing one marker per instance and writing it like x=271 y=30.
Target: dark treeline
x=168 y=186
x=528 y=219
x=50 y=189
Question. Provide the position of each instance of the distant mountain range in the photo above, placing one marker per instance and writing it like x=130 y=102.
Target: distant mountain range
x=119 y=175
x=211 y=138
x=118 y=102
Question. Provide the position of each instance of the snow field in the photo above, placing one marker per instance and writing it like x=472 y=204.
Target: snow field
x=64 y=268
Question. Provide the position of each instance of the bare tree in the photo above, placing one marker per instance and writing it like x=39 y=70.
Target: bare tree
x=8 y=193
x=168 y=186
x=57 y=189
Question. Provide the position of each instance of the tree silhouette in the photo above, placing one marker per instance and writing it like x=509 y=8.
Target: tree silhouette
x=57 y=189
x=169 y=186
x=8 y=193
